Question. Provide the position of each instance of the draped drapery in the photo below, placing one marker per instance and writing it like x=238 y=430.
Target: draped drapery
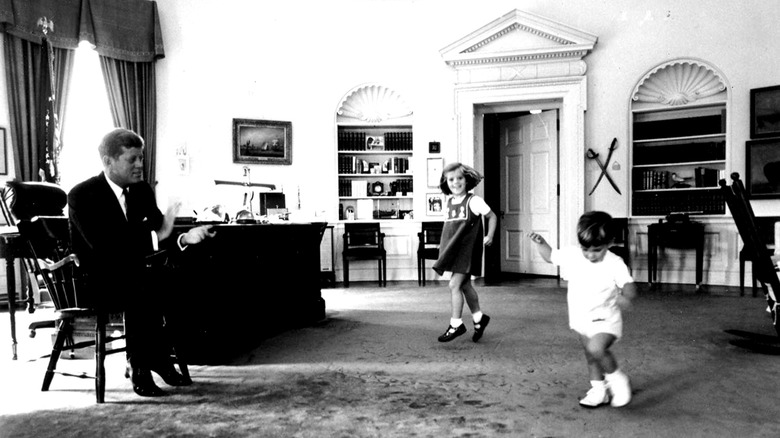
x=127 y=36
x=131 y=93
x=29 y=91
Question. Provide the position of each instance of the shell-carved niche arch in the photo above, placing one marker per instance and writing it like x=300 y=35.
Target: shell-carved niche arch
x=679 y=82
x=373 y=104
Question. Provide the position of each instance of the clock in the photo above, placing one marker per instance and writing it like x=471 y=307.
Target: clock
x=377 y=188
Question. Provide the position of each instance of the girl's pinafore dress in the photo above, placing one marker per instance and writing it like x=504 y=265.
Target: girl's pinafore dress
x=461 y=240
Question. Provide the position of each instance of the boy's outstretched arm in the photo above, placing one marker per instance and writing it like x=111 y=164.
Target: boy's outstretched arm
x=544 y=248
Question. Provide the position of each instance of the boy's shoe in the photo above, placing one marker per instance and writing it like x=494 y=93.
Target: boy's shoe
x=479 y=327
x=452 y=333
x=595 y=397
x=619 y=387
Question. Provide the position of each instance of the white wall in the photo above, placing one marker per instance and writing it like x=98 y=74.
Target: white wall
x=294 y=60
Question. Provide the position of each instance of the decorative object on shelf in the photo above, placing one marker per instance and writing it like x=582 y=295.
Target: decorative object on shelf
x=434 y=204
x=762 y=168
x=349 y=213
x=435 y=167
x=377 y=188
x=3 y=153
x=765 y=112
x=375 y=143
x=434 y=147
x=262 y=141
x=595 y=156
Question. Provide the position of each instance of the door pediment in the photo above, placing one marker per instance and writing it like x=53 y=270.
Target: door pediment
x=519 y=37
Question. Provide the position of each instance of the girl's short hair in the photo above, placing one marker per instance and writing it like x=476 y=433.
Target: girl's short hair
x=595 y=228
x=472 y=177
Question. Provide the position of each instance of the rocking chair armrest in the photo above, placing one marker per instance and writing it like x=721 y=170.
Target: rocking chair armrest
x=53 y=266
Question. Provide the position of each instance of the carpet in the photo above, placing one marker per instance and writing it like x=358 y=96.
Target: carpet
x=373 y=368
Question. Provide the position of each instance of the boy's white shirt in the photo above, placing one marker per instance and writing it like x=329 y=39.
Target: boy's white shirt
x=593 y=287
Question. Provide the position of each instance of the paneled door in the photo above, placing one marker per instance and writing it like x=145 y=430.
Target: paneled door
x=529 y=190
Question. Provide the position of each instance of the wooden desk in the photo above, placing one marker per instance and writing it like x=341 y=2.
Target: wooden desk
x=245 y=284
x=675 y=235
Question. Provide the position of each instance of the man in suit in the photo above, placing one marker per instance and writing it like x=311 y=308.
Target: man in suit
x=115 y=224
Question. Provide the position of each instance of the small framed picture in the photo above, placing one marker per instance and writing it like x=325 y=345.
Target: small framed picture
x=434 y=204
x=765 y=112
x=435 y=166
x=262 y=141
x=183 y=165
x=434 y=147
x=375 y=142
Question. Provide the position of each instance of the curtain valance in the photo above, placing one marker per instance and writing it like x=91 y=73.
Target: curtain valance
x=127 y=30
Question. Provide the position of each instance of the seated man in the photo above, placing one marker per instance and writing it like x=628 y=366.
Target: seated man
x=115 y=223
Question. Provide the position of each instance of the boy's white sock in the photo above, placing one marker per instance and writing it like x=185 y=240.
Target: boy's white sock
x=456 y=322
x=477 y=316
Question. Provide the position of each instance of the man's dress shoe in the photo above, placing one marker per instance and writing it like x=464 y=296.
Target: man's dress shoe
x=171 y=376
x=143 y=384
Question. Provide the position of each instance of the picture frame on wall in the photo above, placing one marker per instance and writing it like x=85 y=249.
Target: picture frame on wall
x=3 y=153
x=262 y=141
x=434 y=204
x=762 y=168
x=765 y=112
x=435 y=167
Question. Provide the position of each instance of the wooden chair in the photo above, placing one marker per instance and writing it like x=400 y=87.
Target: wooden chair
x=21 y=201
x=766 y=229
x=621 y=245
x=428 y=248
x=754 y=247
x=49 y=241
x=364 y=241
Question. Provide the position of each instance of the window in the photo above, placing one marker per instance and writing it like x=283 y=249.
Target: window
x=88 y=119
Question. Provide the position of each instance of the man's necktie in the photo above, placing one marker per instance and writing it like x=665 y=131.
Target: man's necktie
x=125 y=194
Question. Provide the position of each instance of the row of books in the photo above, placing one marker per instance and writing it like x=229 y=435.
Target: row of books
x=664 y=179
x=679 y=153
x=354 y=165
x=362 y=188
x=688 y=201
x=361 y=141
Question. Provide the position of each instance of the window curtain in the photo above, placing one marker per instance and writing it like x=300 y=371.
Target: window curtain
x=131 y=94
x=33 y=106
x=127 y=36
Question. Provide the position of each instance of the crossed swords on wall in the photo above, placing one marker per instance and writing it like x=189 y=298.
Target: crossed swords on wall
x=593 y=155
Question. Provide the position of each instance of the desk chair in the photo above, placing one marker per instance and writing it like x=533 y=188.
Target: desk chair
x=766 y=230
x=428 y=248
x=364 y=240
x=764 y=267
x=49 y=241
x=621 y=245
x=21 y=201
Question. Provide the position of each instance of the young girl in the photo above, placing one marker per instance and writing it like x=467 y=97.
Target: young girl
x=460 y=251
x=599 y=286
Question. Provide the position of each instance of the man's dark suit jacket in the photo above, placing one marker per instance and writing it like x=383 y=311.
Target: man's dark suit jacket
x=110 y=247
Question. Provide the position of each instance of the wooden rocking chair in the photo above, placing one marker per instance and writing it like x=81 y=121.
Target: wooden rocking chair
x=764 y=268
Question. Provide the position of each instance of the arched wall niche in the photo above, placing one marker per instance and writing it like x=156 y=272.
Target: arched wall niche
x=373 y=104
x=680 y=82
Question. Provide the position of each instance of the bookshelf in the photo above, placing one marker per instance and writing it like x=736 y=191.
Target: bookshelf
x=375 y=171
x=678 y=157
